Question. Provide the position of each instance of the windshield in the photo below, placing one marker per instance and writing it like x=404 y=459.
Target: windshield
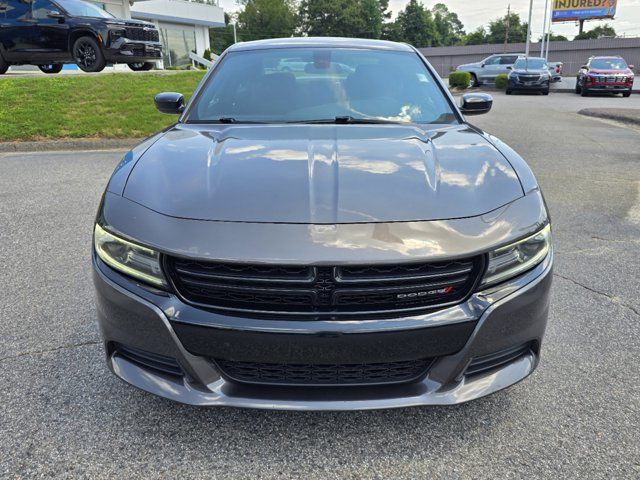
x=608 y=64
x=288 y=85
x=78 y=8
x=530 y=64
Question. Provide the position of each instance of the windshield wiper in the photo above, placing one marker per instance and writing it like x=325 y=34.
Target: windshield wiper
x=224 y=120
x=348 y=120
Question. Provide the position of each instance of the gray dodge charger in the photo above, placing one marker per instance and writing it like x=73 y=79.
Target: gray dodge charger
x=336 y=237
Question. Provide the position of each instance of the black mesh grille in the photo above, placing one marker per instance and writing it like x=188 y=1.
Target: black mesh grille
x=143 y=34
x=324 y=375
x=333 y=291
x=148 y=360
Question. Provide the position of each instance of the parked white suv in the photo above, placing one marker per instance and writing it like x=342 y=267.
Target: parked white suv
x=488 y=69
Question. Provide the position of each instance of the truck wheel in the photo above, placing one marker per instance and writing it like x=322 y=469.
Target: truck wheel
x=508 y=92
x=88 y=55
x=142 y=66
x=578 y=88
x=626 y=94
x=545 y=92
x=50 y=68
x=584 y=92
x=474 y=80
x=4 y=66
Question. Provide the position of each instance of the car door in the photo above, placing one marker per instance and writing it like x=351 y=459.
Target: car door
x=17 y=30
x=506 y=63
x=52 y=31
x=490 y=69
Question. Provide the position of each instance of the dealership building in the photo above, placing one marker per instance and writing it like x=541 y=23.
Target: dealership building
x=184 y=26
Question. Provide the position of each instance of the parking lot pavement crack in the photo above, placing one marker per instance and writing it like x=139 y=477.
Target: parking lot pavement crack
x=49 y=350
x=612 y=298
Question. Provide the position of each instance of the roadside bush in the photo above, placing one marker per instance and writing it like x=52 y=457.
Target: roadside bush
x=207 y=54
x=459 y=79
x=501 y=81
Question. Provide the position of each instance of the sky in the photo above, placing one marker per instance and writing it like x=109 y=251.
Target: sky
x=474 y=14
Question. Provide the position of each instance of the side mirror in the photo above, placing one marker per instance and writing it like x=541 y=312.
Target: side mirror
x=584 y=67
x=171 y=103
x=55 y=14
x=475 y=103
x=631 y=67
x=509 y=68
x=482 y=65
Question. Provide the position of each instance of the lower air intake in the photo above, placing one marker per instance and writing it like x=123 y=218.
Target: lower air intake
x=325 y=375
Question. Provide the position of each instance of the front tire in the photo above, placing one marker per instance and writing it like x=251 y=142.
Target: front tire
x=141 y=66
x=578 y=87
x=474 y=80
x=508 y=92
x=545 y=92
x=584 y=92
x=51 y=68
x=88 y=55
x=626 y=94
x=4 y=65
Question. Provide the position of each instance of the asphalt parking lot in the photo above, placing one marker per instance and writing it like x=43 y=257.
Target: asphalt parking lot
x=578 y=416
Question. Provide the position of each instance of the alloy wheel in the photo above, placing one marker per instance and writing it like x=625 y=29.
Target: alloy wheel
x=85 y=54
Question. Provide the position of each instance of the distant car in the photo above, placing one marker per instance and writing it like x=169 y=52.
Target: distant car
x=529 y=74
x=488 y=69
x=605 y=74
x=50 y=33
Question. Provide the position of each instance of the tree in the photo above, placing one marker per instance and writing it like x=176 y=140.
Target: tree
x=267 y=19
x=449 y=27
x=477 y=37
x=555 y=38
x=343 y=18
x=599 y=32
x=416 y=25
x=498 y=28
x=221 y=38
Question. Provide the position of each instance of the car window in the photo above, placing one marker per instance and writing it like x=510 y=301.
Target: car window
x=18 y=9
x=492 y=61
x=608 y=64
x=509 y=60
x=42 y=7
x=79 y=8
x=271 y=85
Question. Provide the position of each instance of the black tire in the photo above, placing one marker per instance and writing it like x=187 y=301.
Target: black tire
x=142 y=66
x=50 y=68
x=474 y=81
x=584 y=92
x=88 y=55
x=626 y=94
x=545 y=92
x=4 y=65
x=508 y=92
x=578 y=87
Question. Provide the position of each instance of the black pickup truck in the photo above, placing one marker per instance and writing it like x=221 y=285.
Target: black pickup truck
x=49 y=33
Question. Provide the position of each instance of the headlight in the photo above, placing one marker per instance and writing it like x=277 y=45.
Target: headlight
x=129 y=258
x=517 y=258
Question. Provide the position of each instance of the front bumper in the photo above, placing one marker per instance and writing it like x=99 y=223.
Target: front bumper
x=130 y=51
x=535 y=86
x=493 y=321
x=608 y=87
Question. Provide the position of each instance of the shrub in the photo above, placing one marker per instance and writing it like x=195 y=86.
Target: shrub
x=207 y=54
x=459 y=79
x=501 y=81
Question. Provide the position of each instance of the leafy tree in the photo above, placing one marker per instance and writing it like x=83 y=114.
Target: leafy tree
x=221 y=38
x=417 y=26
x=598 y=32
x=498 y=27
x=450 y=28
x=267 y=19
x=343 y=18
x=477 y=37
x=555 y=38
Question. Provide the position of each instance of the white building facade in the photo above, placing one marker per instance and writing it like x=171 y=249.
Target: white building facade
x=184 y=26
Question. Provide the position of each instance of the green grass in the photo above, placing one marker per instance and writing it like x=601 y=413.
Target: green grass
x=104 y=106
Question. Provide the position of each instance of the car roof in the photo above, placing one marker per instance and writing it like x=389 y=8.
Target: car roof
x=531 y=58
x=604 y=56
x=329 y=42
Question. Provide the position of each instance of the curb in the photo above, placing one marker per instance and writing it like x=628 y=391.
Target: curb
x=628 y=115
x=70 y=144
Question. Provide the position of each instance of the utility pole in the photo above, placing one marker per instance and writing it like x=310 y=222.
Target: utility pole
x=529 y=29
x=235 y=36
x=544 y=27
x=506 y=31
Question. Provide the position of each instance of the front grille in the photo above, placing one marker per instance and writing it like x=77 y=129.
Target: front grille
x=325 y=375
x=325 y=290
x=529 y=78
x=143 y=34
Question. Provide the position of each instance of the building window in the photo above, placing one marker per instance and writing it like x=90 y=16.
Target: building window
x=177 y=43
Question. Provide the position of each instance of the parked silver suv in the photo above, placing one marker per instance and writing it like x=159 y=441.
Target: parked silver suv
x=488 y=69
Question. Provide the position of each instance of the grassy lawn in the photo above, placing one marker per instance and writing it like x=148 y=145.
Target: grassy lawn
x=82 y=106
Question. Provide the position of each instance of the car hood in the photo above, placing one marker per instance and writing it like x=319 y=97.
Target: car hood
x=596 y=71
x=539 y=71
x=322 y=174
x=469 y=65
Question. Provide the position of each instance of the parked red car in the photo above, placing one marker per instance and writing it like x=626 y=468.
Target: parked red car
x=605 y=74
